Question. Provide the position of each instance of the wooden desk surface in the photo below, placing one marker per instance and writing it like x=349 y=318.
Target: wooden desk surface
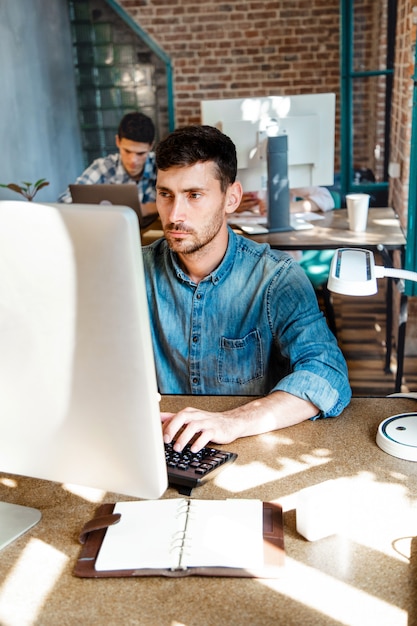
x=365 y=575
x=331 y=232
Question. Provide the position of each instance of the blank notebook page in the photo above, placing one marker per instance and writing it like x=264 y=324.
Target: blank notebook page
x=179 y=533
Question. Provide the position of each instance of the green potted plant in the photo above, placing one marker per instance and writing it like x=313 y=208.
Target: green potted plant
x=27 y=190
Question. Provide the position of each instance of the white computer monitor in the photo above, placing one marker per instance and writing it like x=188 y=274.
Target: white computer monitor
x=79 y=400
x=307 y=120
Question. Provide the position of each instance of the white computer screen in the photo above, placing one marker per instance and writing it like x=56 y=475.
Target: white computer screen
x=307 y=120
x=78 y=401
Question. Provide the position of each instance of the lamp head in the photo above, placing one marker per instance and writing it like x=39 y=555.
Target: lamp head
x=352 y=272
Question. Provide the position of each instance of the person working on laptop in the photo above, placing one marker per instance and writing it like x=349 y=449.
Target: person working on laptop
x=133 y=163
x=230 y=316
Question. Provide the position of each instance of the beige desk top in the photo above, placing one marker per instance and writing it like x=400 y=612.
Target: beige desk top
x=330 y=232
x=365 y=575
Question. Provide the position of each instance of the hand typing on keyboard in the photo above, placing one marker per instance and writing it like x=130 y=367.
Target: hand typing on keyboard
x=198 y=428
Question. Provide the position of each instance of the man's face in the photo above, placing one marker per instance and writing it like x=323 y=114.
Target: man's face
x=191 y=206
x=133 y=155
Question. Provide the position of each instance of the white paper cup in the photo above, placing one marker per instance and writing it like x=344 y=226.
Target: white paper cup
x=357 y=209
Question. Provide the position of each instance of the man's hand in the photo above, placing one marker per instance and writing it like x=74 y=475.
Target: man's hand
x=198 y=426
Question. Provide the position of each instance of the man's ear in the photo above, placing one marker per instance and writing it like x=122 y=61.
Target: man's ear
x=233 y=197
x=117 y=141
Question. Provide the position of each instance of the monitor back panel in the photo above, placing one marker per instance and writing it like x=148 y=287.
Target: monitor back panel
x=79 y=401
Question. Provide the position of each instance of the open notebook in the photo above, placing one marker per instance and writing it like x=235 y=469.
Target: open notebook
x=121 y=195
x=183 y=537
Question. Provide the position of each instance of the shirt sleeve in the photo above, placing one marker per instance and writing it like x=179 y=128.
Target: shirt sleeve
x=100 y=171
x=148 y=180
x=318 y=369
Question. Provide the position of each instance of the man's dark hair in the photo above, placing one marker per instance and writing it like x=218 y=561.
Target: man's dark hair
x=137 y=127
x=193 y=144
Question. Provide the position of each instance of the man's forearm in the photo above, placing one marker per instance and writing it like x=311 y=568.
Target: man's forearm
x=277 y=410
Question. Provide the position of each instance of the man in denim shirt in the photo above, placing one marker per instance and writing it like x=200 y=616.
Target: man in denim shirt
x=133 y=163
x=229 y=315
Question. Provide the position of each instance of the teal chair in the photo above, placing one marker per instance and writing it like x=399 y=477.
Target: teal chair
x=316 y=264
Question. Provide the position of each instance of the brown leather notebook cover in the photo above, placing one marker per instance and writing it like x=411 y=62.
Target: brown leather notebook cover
x=94 y=532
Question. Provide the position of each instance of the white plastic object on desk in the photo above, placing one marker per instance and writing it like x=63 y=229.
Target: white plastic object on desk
x=319 y=511
x=397 y=435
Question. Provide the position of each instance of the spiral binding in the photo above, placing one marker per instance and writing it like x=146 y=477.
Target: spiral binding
x=181 y=543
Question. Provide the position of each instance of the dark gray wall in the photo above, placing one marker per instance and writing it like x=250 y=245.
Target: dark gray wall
x=39 y=132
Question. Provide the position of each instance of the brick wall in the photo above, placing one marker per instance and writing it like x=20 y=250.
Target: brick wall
x=401 y=114
x=369 y=54
x=239 y=48
x=402 y=104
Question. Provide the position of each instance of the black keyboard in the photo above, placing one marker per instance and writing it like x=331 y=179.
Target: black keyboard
x=187 y=469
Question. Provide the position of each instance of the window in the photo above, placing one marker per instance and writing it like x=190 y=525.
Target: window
x=117 y=70
x=367 y=58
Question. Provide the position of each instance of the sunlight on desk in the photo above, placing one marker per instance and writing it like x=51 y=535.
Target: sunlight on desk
x=323 y=593
x=370 y=499
x=8 y=482
x=239 y=478
x=37 y=570
x=86 y=493
x=386 y=222
x=363 y=499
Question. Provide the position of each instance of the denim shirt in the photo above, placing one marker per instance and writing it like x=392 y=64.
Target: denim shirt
x=251 y=327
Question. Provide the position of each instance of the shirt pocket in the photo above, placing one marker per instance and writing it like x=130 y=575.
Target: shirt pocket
x=241 y=360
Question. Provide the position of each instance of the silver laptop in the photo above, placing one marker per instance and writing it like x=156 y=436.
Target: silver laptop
x=118 y=194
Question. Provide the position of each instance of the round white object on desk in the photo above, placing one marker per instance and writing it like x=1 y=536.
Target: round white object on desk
x=397 y=435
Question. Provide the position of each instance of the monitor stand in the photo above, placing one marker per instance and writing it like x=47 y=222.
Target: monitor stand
x=16 y=520
x=279 y=205
x=282 y=220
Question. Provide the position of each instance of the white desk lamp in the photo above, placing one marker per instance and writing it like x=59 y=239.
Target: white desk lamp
x=353 y=272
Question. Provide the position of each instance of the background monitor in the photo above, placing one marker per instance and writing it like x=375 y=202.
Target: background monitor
x=79 y=400
x=307 y=120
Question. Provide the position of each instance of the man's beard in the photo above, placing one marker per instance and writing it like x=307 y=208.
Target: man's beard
x=197 y=241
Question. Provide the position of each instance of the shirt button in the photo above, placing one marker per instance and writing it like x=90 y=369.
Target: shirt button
x=198 y=296
x=195 y=338
x=195 y=381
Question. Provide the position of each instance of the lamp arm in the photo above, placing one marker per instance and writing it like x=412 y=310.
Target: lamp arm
x=393 y=272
